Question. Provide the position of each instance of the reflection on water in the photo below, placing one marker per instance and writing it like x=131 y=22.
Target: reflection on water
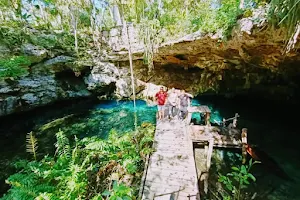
x=90 y=118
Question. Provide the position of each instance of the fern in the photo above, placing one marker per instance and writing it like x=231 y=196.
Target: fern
x=97 y=145
x=26 y=186
x=47 y=196
x=31 y=144
x=62 y=145
x=74 y=172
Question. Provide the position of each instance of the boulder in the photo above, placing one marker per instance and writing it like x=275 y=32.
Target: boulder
x=53 y=65
x=106 y=76
x=33 y=91
x=35 y=53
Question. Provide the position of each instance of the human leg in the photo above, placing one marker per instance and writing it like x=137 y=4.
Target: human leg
x=169 y=106
x=180 y=113
x=162 y=112
x=183 y=112
x=173 y=110
x=159 y=112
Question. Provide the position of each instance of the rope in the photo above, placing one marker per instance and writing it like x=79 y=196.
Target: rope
x=132 y=77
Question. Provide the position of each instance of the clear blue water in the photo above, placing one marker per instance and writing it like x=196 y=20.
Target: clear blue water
x=88 y=118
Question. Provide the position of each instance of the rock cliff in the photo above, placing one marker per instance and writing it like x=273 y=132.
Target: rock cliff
x=252 y=61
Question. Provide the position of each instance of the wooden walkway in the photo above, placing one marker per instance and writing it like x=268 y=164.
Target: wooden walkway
x=171 y=171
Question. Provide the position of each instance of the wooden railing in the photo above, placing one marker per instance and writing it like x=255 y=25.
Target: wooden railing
x=233 y=119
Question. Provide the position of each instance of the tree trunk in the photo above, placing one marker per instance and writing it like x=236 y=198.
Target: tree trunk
x=75 y=36
x=74 y=26
x=116 y=15
x=125 y=27
x=242 y=4
x=132 y=77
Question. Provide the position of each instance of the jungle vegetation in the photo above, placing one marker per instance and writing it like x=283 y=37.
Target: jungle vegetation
x=92 y=168
x=77 y=25
x=88 y=168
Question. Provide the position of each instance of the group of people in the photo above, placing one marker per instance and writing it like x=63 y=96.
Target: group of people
x=176 y=103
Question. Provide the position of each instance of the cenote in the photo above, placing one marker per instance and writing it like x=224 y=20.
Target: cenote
x=270 y=127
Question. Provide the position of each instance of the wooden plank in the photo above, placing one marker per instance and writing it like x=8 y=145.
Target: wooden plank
x=172 y=165
x=144 y=177
x=209 y=154
x=200 y=109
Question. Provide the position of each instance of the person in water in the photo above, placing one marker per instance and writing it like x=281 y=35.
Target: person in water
x=161 y=97
x=184 y=103
x=172 y=102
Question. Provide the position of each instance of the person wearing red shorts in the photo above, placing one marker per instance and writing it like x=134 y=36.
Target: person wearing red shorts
x=161 y=97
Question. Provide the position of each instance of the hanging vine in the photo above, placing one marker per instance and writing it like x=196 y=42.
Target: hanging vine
x=148 y=31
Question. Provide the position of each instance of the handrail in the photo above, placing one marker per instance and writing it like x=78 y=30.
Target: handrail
x=232 y=118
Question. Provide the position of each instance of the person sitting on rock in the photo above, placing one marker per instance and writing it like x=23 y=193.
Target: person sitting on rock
x=161 y=97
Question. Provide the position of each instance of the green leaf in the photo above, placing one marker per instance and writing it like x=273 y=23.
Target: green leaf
x=106 y=193
x=250 y=162
x=251 y=176
x=229 y=187
x=235 y=168
x=243 y=169
x=115 y=185
x=246 y=181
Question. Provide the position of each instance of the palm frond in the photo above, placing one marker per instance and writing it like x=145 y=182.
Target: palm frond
x=286 y=13
x=31 y=144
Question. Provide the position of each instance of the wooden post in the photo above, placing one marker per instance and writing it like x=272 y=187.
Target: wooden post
x=209 y=153
x=244 y=143
x=189 y=117
x=205 y=150
x=234 y=123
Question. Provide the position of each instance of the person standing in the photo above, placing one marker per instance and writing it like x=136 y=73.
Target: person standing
x=184 y=103
x=161 y=97
x=172 y=102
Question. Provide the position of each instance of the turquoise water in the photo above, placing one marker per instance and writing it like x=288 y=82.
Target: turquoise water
x=89 y=118
x=83 y=119
x=215 y=116
x=273 y=128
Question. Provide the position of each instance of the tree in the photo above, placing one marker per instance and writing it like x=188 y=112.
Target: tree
x=74 y=13
x=286 y=13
